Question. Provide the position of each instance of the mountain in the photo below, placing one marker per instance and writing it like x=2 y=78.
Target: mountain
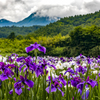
x=36 y=20
x=30 y=21
x=4 y=22
x=65 y=25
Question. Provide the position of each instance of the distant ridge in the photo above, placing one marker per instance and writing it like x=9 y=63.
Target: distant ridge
x=29 y=21
x=4 y=22
x=65 y=25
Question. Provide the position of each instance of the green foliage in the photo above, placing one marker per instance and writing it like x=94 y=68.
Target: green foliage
x=11 y=36
x=69 y=36
x=5 y=31
x=81 y=40
x=67 y=24
x=85 y=41
x=19 y=37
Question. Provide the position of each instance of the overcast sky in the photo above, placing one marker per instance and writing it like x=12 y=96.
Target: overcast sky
x=16 y=10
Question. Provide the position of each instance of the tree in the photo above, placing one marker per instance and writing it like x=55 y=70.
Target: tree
x=11 y=36
x=19 y=37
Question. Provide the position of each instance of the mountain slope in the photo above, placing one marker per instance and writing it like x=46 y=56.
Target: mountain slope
x=4 y=22
x=67 y=24
x=5 y=31
x=29 y=21
x=35 y=20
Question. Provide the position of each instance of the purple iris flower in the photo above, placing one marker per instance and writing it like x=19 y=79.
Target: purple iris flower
x=7 y=73
x=75 y=81
x=61 y=79
x=26 y=62
x=10 y=59
x=56 y=85
x=33 y=66
x=80 y=89
x=3 y=77
x=98 y=61
x=92 y=83
x=2 y=66
x=99 y=56
x=18 y=88
x=39 y=70
x=89 y=60
x=26 y=81
x=19 y=85
x=20 y=59
x=63 y=60
x=70 y=71
x=81 y=69
x=35 y=46
x=99 y=74
x=85 y=95
x=53 y=88
x=14 y=54
x=44 y=63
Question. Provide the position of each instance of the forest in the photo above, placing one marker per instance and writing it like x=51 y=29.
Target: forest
x=5 y=31
x=69 y=36
x=80 y=40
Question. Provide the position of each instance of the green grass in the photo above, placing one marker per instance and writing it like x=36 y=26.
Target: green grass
x=19 y=54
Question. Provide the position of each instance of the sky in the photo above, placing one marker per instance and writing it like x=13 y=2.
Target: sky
x=17 y=10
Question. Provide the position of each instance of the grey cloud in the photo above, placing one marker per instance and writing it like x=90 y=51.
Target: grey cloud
x=92 y=6
x=16 y=10
x=76 y=8
x=59 y=11
x=19 y=1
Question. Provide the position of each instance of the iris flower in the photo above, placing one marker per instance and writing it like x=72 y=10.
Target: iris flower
x=35 y=46
x=80 y=89
x=70 y=71
x=7 y=73
x=81 y=69
x=91 y=82
x=75 y=81
x=26 y=81
x=56 y=84
x=20 y=84
x=18 y=88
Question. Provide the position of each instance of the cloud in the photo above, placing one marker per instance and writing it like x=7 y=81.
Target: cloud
x=60 y=11
x=16 y=10
x=92 y=6
x=75 y=8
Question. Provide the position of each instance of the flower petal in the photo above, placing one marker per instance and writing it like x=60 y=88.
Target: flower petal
x=61 y=91
x=3 y=77
x=18 y=91
x=42 y=49
x=30 y=48
x=53 y=89
x=35 y=45
x=85 y=95
x=11 y=91
x=29 y=83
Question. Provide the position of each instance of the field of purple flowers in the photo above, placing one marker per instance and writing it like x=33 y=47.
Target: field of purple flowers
x=49 y=78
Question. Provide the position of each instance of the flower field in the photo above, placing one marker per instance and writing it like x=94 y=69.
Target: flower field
x=49 y=78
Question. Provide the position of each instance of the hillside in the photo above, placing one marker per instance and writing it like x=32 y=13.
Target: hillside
x=29 y=21
x=5 y=31
x=66 y=24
